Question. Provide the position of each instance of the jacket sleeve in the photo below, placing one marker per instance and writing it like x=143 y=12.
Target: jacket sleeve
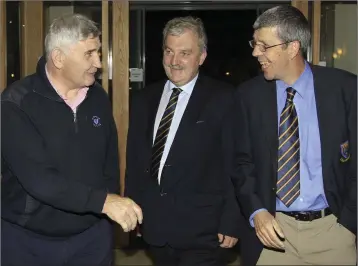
x=111 y=168
x=131 y=183
x=25 y=153
x=231 y=219
x=243 y=175
x=348 y=216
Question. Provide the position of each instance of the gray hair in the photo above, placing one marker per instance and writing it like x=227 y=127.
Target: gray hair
x=177 y=26
x=291 y=24
x=69 y=29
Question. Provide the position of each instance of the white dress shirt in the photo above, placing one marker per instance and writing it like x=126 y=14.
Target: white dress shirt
x=183 y=99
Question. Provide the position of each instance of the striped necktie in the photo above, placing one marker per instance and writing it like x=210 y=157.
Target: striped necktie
x=288 y=171
x=162 y=133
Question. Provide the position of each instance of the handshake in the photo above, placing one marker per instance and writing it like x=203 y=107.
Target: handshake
x=123 y=211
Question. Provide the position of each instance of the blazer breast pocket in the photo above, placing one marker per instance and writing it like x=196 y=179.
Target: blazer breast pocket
x=344 y=152
x=204 y=126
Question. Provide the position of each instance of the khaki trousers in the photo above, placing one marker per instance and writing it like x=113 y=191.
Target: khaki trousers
x=319 y=242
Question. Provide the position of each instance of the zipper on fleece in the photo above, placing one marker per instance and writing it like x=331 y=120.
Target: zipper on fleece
x=75 y=121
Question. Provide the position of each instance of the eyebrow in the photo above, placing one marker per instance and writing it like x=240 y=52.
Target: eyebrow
x=264 y=43
x=91 y=51
x=184 y=50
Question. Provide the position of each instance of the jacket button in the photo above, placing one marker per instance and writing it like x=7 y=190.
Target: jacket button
x=146 y=170
x=273 y=189
x=162 y=193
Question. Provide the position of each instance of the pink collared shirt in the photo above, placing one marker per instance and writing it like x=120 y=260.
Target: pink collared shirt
x=74 y=102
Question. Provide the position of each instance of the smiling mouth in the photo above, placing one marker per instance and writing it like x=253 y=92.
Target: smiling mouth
x=264 y=65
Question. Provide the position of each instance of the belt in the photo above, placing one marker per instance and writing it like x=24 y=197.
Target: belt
x=309 y=215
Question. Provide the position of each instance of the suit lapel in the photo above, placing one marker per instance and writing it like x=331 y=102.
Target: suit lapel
x=196 y=103
x=198 y=99
x=326 y=115
x=269 y=120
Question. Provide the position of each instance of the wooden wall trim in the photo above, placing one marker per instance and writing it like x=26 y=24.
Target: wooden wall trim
x=301 y=5
x=32 y=36
x=3 y=55
x=120 y=77
x=316 y=32
x=105 y=44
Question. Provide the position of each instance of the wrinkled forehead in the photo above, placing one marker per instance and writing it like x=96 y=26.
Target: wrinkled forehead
x=266 y=35
x=92 y=41
x=89 y=44
x=187 y=40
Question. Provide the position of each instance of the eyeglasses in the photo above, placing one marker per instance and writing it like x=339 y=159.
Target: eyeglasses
x=262 y=47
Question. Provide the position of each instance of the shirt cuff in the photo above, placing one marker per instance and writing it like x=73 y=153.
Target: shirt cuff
x=252 y=216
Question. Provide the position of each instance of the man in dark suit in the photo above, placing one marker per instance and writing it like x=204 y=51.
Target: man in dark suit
x=179 y=155
x=296 y=151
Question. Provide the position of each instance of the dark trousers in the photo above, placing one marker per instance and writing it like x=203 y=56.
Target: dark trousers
x=165 y=256
x=93 y=247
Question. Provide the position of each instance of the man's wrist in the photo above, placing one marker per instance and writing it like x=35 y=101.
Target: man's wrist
x=251 y=219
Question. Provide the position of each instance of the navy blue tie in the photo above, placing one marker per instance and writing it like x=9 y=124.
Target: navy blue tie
x=288 y=171
x=162 y=132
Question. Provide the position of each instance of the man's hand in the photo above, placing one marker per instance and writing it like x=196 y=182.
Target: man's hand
x=227 y=241
x=124 y=211
x=267 y=229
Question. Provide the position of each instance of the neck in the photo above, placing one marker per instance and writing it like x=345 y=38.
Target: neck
x=62 y=87
x=294 y=71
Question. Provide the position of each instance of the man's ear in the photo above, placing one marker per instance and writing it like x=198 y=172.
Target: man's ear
x=294 y=49
x=57 y=57
x=202 y=57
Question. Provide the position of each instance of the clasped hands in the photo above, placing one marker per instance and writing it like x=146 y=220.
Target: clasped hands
x=127 y=214
x=123 y=211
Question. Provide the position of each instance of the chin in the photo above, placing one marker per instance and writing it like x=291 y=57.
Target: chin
x=176 y=80
x=176 y=76
x=268 y=76
x=89 y=82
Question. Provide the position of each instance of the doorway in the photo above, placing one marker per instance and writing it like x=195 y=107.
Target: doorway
x=228 y=27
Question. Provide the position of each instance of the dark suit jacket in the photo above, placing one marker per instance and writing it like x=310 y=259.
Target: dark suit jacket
x=257 y=145
x=196 y=199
